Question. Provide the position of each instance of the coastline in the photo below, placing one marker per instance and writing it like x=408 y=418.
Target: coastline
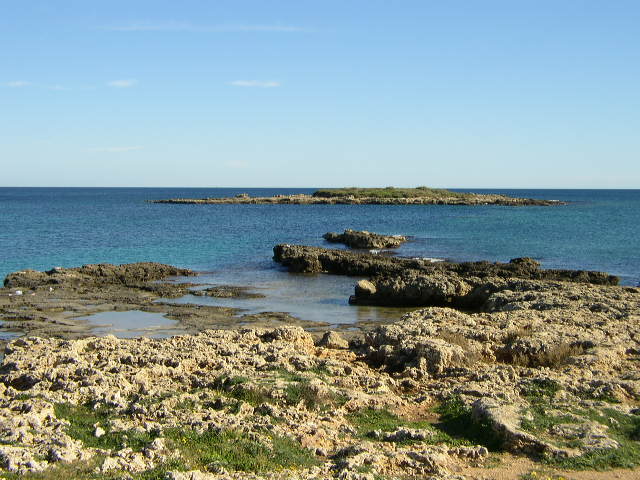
x=383 y=402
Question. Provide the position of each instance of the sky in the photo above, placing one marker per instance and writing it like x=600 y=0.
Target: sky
x=301 y=93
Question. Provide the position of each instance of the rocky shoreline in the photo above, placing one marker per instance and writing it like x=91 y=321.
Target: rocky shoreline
x=511 y=371
x=57 y=302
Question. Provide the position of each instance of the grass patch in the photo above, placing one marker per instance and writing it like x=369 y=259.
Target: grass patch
x=540 y=393
x=369 y=420
x=186 y=404
x=313 y=398
x=235 y=387
x=82 y=419
x=286 y=375
x=540 y=389
x=541 y=475
x=606 y=397
x=238 y=451
x=623 y=428
x=457 y=421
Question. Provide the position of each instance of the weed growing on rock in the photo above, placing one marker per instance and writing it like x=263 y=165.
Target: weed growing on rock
x=555 y=357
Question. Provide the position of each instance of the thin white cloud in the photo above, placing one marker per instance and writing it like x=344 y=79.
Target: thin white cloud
x=114 y=149
x=254 y=83
x=173 y=26
x=123 y=83
x=17 y=84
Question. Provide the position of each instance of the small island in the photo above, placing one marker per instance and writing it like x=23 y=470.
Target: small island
x=373 y=196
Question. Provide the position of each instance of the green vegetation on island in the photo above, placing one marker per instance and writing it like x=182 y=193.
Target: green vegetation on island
x=389 y=192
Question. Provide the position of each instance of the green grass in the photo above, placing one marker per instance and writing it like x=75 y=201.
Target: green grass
x=82 y=419
x=235 y=387
x=238 y=451
x=457 y=421
x=388 y=192
x=186 y=404
x=302 y=390
x=541 y=475
x=286 y=375
x=623 y=428
x=607 y=397
x=540 y=389
x=369 y=420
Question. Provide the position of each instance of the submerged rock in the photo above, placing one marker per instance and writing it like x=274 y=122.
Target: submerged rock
x=226 y=291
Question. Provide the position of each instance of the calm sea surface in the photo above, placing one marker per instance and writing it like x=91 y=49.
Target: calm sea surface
x=45 y=227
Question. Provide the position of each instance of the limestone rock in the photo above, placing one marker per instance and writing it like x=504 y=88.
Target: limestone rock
x=333 y=340
x=365 y=240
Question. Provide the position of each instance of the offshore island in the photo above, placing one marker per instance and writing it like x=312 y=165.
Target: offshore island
x=502 y=370
x=372 y=196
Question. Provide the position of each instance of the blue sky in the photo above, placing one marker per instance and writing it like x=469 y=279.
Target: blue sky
x=320 y=93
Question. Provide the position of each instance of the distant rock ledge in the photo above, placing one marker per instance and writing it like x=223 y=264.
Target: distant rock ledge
x=372 y=196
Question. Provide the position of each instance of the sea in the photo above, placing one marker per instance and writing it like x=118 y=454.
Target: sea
x=42 y=228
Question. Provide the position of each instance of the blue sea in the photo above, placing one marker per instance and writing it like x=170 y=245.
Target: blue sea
x=45 y=227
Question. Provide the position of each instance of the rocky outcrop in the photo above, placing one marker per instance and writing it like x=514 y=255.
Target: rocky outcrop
x=411 y=282
x=365 y=240
x=299 y=258
x=333 y=340
x=96 y=274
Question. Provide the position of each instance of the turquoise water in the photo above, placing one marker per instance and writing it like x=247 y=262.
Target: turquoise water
x=45 y=227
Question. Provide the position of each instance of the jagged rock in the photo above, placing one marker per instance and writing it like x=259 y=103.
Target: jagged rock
x=390 y=346
x=365 y=240
x=20 y=460
x=411 y=289
x=333 y=340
